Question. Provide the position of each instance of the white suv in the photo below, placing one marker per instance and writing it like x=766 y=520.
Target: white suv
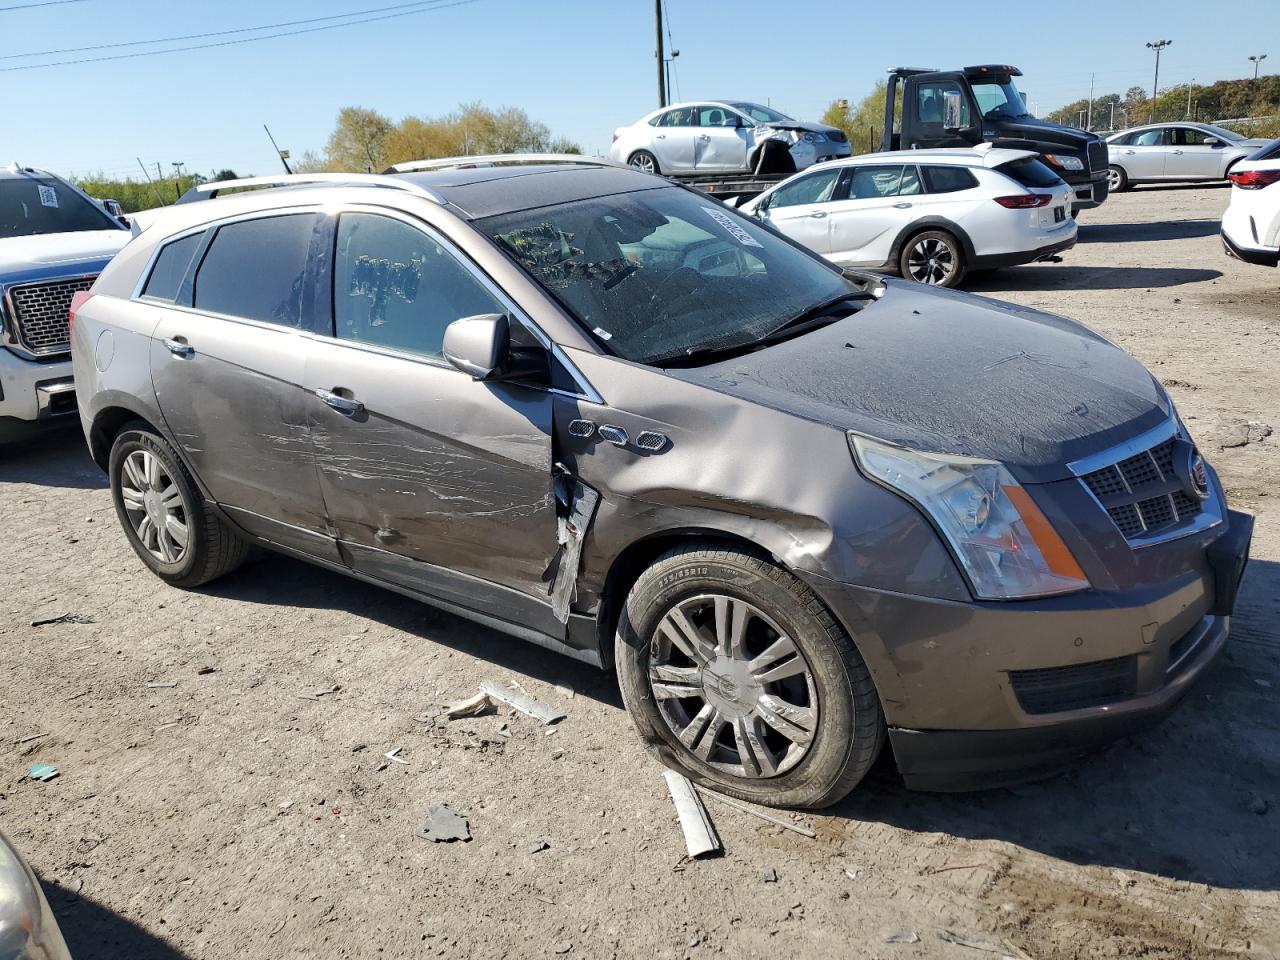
x=1251 y=225
x=930 y=215
x=54 y=241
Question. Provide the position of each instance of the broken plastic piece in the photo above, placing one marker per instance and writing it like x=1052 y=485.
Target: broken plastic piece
x=534 y=708
x=391 y=755
x=699 y=835
x=903 y=936
x=777 y=821
x=42 y=771
x=442 y=825
x=471 y=707
x=575 y=506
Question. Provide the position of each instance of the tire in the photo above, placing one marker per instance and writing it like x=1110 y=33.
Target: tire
x=212 y=548
x=1117 y=179
x=644 y=161
x=844 y=734
x=934 y=257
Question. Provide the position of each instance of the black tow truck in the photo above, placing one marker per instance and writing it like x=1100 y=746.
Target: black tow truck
x=973 y=105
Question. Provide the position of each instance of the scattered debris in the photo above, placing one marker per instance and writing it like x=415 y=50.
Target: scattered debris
x=557 y=754
x=956 y=866
x=64 y=618
x=851 y=873
x=564 y=946
x=317 y=694
x=525 y=704
x=34 y=736
x=951 y=937
x=504 y=730
x=1238 y=433
x=1258 y=804
x=44 y=772
x=538 y=846
x=165 y=685
x=391 y=755
x=205 y=671
x=564 y=691
x=442 y=825
x=699 y=835
x=769 y=875
x=903 y=936
x=286 y=804
x=359 y=746
x=471 y=707
x=776 y=821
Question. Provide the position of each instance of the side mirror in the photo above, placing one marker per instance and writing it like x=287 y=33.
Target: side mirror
x=951 y=110
x=479 y=346
x=113 y=207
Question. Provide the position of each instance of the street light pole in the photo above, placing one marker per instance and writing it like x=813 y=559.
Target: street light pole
x=1157 y=46
x=1190 y=87
x=662 y=59
x=1257 y=61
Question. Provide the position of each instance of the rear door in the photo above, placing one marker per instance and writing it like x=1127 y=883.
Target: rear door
x=227 y=366
x=431 y=480
x=802 y=208
x=674 y=140
x=1143 y=155
x=721 y=146
x=878 y=201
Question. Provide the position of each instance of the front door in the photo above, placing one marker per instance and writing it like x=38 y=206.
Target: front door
x=1193 y=155
x=936 y=110
x=227 y=366
x=432 y=480
x=722 y=143
x=801 y=209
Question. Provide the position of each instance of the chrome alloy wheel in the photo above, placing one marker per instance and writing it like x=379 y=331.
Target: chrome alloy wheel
x=1113 y=180
x=733 y=687
x=930 y=261
x=153 y=504
x=644 y=163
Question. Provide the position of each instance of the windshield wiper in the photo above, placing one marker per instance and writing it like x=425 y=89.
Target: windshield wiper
x=819 y=311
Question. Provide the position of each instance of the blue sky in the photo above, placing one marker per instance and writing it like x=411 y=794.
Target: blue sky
x=581 y=66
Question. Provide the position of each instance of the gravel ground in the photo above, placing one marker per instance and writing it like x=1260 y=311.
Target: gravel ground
x=223 y=789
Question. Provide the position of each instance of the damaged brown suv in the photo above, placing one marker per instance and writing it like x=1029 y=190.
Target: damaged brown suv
x=800 y=511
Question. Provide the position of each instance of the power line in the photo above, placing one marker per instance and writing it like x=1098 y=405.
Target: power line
x=231 y=43
x=46 y=3
x=215 y=33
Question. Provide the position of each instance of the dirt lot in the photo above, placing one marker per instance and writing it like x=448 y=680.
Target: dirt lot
x=235 y=813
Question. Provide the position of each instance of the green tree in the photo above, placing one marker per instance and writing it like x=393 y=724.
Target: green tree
x=359 y=141
x=862 y=123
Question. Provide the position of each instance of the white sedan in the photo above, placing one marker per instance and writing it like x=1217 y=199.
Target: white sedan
x=722 y=136
x=1251 y=225
x=929 y=215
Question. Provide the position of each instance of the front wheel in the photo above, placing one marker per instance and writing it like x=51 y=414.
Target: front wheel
x=735 y=674
x=1117 y=179
x=644 y=161
x=933 y=257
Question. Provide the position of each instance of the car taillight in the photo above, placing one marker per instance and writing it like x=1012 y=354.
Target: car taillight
x=78 y=300
x=1025 y=201
x=1254 y=179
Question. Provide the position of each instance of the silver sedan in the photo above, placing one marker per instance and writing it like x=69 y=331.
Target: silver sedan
x=1174 y=152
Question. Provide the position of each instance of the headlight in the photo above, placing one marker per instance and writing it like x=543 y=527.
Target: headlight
x=816 y=137
x=998 y=535
x=1066 y=163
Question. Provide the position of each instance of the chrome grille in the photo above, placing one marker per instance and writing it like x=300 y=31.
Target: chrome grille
x=836 y=136
x=1143 y=494
x=40 y=311
x=1097 y=156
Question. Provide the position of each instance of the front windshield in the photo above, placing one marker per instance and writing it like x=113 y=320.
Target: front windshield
x=762 y=114
x=1223 y=134
x=31 y=205
x=657 y=275
x=1000 y=101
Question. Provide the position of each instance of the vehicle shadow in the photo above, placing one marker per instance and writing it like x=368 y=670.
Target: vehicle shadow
x=52 y=457
x=1143 y=232
x=1178 y=800
x=92 y=930
x=1047 y=277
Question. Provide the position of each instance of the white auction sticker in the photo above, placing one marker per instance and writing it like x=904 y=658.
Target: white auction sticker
x=726 y=221
x=48 y=197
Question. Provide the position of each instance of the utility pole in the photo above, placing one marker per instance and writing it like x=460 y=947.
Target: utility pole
x=1257 y=61
x=1112 y=125
x=662 y=65
x=1089 y=121
x=1157 y=46
x=1190 y=87
x=282 y=154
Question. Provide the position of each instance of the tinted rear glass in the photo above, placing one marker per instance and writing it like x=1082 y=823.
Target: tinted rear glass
x=1270 y=152
x=254 y=269
x=30 y=206
x=171 y=266
x=1030 y=172
x=948 y=179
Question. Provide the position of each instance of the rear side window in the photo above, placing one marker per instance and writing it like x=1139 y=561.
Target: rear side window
x=1030 y=172
x=171 y=267
x=394 y=286
x=870 y=183
x=948 y=179
x=1270 y=152
x=254 y=269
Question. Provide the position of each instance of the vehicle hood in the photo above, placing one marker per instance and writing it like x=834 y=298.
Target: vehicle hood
x=1042 y=131
x=955 y=373
x=39 y=256
x=803 y=125
x=1253 y=142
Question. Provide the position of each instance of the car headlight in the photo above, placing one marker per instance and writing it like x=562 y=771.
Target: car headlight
x=1005 y=545
x=28 y=929
x=1066 y=163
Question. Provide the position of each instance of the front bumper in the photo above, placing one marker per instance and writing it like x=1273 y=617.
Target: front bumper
x=1262 y=256
x=30 y=390
x=1090 y=194
x=983 y=693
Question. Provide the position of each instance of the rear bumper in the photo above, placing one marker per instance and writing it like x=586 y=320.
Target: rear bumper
x=994 y=261
x=35 y=391
x=1262 y=256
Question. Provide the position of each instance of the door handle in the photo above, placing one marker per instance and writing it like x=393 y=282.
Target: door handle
x=818 y=214
x=179 y=348
x=660 y=136
x=1128 y=153
x=902 y=206
x=1178 y=152
x=343 y=405
x=704 y=136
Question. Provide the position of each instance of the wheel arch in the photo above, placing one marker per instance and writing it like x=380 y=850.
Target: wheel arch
x=113 y=416
x=924 y=225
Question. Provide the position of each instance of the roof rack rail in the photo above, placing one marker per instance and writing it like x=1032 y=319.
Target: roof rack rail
x=496 y=160
x=207 y=191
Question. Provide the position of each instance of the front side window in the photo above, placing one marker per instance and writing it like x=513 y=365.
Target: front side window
x=255 y=268
x=931 y=104
x=761 y=114
x=1191 y=137
x=659 y=275
x=35 y=205
x=712 y=116
x=948 y=179
x=394 y=286
x=812 y=188
x=171 y=268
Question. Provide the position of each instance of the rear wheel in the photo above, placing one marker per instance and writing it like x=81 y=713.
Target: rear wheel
x=163 y=515
x=933 y=257
x=644 y=161
x=735 y=674
x=1117 y=179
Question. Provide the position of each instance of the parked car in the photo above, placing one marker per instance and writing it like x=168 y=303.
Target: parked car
x=54 y=240
x=28 y=928
x=720 y=136
x=801 y=510
x=929 y=215
x=1174 y=152
x=1251 y=225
